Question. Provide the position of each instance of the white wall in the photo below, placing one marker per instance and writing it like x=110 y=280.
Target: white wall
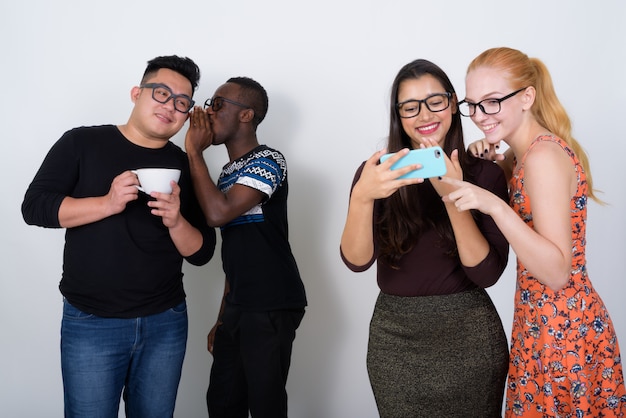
x=328 y=68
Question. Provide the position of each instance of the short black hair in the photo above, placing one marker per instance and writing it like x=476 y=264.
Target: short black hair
x=253 y=94
x=182 y=65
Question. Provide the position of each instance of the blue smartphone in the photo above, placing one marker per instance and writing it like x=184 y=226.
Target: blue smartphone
x=431 y=159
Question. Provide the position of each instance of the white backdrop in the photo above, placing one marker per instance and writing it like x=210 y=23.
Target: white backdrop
x=328 y=67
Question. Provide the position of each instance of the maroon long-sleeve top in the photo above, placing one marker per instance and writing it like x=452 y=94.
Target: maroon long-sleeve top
x=427 y=269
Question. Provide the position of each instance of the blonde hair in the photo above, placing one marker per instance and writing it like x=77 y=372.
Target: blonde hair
x=547 y=109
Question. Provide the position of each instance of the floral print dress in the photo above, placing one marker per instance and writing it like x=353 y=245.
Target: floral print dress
x=565 y=359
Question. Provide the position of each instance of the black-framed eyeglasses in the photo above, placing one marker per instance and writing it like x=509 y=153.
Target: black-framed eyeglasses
x=437 y=102
x=487 y=106
x=217 y=102
x=163 y=94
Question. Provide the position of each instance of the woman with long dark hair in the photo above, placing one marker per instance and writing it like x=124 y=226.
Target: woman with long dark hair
x=436 y=346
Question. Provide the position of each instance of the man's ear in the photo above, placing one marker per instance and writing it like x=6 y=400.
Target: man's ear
x=246 y=115
x=134 y=93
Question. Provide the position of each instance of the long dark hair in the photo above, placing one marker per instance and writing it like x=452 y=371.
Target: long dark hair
x=405 y=215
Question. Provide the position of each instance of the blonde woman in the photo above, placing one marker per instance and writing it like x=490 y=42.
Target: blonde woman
x=565 y=357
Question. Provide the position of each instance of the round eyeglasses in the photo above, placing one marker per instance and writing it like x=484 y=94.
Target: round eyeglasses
x=217 y=102
x=435 y=103
x=487 y=106
x=163 y=94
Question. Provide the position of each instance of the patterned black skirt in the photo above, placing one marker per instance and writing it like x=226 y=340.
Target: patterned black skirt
x=437 y=356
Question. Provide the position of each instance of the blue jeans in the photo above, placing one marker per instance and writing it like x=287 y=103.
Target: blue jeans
x=101 y=357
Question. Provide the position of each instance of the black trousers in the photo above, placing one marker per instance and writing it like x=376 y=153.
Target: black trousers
x=251 y=359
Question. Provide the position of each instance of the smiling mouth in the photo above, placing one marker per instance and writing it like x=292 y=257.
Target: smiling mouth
x=163 y=117
x=490 y=127
x=428 y=128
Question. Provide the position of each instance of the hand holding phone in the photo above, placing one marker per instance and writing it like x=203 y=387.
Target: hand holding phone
x=431 y=159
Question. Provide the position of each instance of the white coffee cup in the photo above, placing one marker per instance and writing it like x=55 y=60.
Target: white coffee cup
x=156 y=179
